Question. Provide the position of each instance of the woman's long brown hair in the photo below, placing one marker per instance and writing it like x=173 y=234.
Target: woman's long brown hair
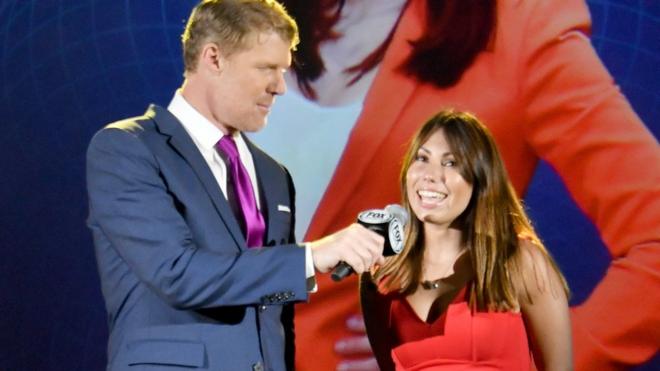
x=492 y=224
x=455 y=32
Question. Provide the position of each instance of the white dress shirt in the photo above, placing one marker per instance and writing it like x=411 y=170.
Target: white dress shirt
x=205 y=135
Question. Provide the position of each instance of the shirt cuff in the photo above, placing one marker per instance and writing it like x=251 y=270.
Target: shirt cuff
x=309 y=269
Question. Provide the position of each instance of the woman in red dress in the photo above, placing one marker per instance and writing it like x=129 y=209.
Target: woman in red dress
x=474 y=287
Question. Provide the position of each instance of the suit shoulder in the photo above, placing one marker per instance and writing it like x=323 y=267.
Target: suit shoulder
x=134 y=125
x=130 y=129
x=123 y=136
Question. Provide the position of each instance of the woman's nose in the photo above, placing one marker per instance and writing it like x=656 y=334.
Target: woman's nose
x=434 y=174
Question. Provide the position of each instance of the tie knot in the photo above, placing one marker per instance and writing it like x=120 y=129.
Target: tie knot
x=227 y=145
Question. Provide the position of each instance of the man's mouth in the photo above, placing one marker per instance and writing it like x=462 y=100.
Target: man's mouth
x=264 y=106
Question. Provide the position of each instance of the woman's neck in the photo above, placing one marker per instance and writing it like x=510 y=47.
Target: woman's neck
x=442 y=248
x=441 y=244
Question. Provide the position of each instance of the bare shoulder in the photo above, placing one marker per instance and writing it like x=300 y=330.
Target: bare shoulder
x=532 y=255
x=539 y=272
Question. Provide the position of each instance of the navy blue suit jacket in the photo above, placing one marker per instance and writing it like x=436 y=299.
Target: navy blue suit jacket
x=181 y=288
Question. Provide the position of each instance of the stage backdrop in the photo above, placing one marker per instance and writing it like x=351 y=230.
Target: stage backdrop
x=69 y=67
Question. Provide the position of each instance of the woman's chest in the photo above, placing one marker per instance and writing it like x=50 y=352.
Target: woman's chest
x=458 y=335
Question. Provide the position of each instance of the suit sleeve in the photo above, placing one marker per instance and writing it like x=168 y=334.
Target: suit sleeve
x=579 y=122
x=131 y=207
x=288 y=310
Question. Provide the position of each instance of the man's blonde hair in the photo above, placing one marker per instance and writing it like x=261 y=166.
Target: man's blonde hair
x=229 y=23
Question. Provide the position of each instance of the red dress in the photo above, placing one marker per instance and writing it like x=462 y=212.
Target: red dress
x=457 y=340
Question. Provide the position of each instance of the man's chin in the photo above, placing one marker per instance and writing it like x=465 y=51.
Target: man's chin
x=255 y=126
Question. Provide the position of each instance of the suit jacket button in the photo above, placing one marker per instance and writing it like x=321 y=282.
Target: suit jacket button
x=257 y=367
x=262 y=308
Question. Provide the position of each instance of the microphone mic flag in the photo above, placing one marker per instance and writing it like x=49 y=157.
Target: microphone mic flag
x=389 y=223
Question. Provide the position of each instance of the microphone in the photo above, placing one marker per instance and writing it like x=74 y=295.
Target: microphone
x=389 y=223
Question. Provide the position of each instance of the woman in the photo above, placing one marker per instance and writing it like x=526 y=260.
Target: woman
x=474 y=285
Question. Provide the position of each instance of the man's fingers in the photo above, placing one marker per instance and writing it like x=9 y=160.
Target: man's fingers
x=366 y=257
x=363 y=243
x=372 y=239
x=356 y=245
x=355 y=260
x=372 y=243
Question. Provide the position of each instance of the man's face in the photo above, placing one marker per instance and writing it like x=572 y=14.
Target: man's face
x=243 y=92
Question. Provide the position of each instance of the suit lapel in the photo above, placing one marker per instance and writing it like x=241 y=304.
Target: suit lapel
x=386 y=99
x=264 y=176
x=181 y=142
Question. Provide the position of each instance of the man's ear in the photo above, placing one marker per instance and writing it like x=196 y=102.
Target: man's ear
x=211 y=58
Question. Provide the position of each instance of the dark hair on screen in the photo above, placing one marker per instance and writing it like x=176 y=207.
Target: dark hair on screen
x=449 y=45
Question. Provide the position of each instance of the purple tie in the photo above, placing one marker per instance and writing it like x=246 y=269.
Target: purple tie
x=254 y=221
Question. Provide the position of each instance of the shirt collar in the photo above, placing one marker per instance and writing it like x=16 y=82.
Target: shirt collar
x=200 y=128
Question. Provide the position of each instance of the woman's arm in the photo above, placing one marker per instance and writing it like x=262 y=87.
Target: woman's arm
x=544 y=306
x=578 y=121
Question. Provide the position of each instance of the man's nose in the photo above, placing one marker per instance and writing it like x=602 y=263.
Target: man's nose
x=278 y=86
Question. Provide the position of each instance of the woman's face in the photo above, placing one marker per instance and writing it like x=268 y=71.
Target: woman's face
x=437 y=192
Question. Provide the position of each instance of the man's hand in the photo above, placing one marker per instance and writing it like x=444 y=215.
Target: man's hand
x=356 y=245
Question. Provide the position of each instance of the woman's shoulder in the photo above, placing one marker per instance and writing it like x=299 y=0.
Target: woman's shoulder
x=545 y=18
x=538 y=271
x=531 y=251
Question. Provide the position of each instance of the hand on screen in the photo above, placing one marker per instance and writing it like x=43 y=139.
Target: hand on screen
x=355 y=349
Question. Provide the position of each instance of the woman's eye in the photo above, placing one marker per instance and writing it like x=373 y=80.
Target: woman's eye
x=449 y=163
x=422 y=158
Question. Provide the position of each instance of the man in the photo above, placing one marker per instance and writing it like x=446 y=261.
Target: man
x=181 y=204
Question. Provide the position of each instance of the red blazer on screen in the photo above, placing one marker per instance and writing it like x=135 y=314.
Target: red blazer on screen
x=544 y=94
